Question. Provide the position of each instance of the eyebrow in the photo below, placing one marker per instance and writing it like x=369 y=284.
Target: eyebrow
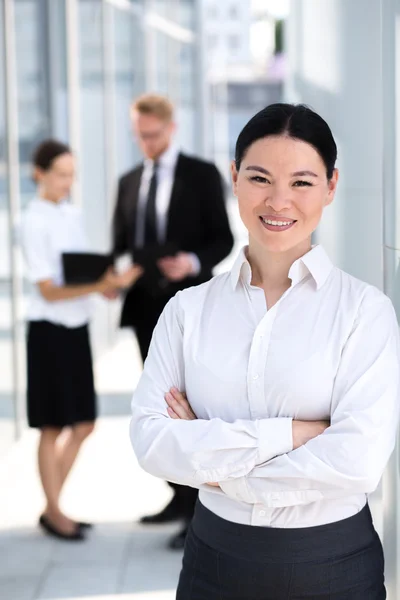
x=266 y=172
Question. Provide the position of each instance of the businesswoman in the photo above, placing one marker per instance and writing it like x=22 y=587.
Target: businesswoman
x=61 y=395
x=274 y=388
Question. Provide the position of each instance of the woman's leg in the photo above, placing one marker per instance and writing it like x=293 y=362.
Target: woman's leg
x=69 y=448
x=49 y=471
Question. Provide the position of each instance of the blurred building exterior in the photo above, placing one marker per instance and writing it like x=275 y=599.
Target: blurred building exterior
x=69 y=69
x=347 y=68
x=241 y=66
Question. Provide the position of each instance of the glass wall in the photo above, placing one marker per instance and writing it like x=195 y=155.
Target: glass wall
x=175 y=77
x=185 y=56
x=7 y=426
x=33 y=73
x=180 y=11
x=129 y=81
x=92 y=152
x=58 y=65
x=74 y=67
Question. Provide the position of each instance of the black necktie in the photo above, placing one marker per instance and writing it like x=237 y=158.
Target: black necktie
x=150 y=219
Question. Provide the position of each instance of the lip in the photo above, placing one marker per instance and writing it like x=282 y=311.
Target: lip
x=276 y=228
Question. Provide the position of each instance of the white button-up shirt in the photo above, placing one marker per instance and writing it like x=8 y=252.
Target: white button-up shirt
x=47 y=230
x=329 y=349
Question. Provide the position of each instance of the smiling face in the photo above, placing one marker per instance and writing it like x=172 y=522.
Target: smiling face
x=282 y=189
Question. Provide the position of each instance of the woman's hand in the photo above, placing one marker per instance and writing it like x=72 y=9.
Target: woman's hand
x=178 y=406
x=111 y=281
x=129 y=277
x=107 y=284
x=304 y=431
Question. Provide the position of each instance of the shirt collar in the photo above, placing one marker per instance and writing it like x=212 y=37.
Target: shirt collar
x=167 y=159
x=315 y=263
x=46 y=205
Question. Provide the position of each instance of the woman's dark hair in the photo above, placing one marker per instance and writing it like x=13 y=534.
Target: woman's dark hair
x=46 y=153
x=293 y=120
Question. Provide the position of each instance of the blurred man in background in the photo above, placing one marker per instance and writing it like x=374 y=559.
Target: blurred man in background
x=170 y=215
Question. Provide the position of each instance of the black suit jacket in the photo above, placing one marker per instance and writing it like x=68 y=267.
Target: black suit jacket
x=197 y=222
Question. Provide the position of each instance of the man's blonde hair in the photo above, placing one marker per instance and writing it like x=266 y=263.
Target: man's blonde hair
x=154 y=104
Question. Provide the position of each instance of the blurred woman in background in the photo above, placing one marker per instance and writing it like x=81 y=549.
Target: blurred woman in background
x=61 y=391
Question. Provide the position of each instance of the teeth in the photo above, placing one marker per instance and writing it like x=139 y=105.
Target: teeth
x=277 y=223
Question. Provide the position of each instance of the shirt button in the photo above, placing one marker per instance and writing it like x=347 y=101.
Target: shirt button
x=262 y=513
x=255 y=376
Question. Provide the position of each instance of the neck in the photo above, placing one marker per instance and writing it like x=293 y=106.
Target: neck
x=43 y=195
x=161 y=153
x=270 y=270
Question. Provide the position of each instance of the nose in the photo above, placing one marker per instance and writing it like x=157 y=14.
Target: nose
x=278 y=199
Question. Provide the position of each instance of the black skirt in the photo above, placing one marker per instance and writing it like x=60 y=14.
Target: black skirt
x=60 y=375
x=338 y=561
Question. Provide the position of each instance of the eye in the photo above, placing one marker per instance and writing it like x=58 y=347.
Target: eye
x=259 y=179
x=301 y=183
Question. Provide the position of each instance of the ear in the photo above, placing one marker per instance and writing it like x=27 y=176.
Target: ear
x=173 y=127
x=234 y=176
x=37 y=174
x=332 y=185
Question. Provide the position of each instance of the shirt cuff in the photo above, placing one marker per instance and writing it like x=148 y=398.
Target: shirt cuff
x=196 y=266
x=275 y=437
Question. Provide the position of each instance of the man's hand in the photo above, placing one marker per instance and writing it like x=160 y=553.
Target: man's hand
x=304 y=431
x=176 y=268
x=111 y=295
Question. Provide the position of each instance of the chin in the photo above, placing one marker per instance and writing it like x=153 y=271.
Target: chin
x=276 y=242
x=278 y=248
x=285 y=241
x=152 y=155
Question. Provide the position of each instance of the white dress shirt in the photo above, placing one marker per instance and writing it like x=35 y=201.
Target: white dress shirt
x=329 y=349
x=47 y=230
x=165 y=181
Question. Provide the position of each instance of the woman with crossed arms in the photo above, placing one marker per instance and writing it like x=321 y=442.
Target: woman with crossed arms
x=274 y=389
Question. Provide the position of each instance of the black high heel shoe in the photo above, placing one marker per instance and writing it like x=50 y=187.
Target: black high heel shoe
x=76 y=536
x=84 y=525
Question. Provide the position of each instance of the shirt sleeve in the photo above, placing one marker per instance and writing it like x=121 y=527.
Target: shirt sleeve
x=196 y=266
x=199 y=451
x=351 y=455
x=36 y=252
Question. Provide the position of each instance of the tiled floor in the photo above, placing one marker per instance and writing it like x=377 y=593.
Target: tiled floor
x=120 y=558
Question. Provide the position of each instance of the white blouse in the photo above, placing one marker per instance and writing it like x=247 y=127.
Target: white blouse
x=329 y=349
x=47 y=230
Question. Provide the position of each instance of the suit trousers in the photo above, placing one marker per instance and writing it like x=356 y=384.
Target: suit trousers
x=225 y=560
x=184 y=499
